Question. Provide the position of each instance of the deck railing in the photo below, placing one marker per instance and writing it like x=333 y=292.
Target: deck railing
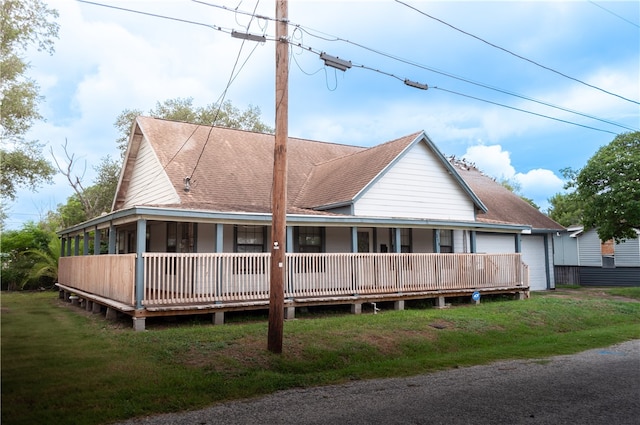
x=110 y=276
x=171 y=278
x=193 y=278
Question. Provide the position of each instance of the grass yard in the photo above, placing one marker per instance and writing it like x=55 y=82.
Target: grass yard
x=62 y=365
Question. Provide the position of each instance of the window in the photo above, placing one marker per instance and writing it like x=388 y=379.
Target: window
x=310 y=239
x=405 y=240
x=181 y=237
x=250 y=238
x=446 y=241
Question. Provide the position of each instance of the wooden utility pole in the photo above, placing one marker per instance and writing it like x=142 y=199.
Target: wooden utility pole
x=279 y=195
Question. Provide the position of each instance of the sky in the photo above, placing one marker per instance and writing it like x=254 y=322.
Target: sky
x=521 y=89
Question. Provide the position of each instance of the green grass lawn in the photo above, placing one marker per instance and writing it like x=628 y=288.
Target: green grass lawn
x=62 y=365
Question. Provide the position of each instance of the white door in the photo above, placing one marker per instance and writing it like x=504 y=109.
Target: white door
x=533 y=255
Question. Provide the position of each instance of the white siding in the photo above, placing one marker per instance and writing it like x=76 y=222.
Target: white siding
x=565 y=250
x=627 y=253
x=206 y=237
x=589 y=251
x=417 y=186
x=158 y=237
x=149 y=183
x=492 y=243
x=533 y=255
x=338 y=239
x=422 y=240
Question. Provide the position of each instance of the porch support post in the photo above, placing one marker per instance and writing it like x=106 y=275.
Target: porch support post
x=63 y=245
x=218 y=318
x=141 y=234
x=69 y=246
x=398 y=305
x=139 y=323
x=219 y=237
x=546 y=260
x=436 y=241
x=472 y=241
x=398 y=240
x=440 y=302
x=354 y=239
x=518 y=241
x=76 y=245
x=356 y=308
x=112 y=239
x=289 y=239
x=289 y=312
x=96 y=241
x=85 y=242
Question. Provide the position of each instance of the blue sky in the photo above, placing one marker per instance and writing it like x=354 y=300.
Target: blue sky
x=108 y=60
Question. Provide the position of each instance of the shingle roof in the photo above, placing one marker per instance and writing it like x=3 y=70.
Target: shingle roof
x=341 y=179
x=503 y=205
x=234 y=172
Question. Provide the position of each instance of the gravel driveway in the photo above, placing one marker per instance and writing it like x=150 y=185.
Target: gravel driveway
x=600 y=386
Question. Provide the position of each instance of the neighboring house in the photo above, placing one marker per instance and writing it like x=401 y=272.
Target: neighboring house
x=190 y=226
x=582 y=258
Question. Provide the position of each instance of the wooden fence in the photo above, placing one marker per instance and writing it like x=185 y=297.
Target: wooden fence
x=171 y=278
x=110 y=276
x=198 y=278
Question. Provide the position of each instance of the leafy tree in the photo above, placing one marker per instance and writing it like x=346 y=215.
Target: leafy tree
x=95 y=199
x=181 y=109
x=17 y=263
x=24 y=23
x=609 y=188
x=565 y=208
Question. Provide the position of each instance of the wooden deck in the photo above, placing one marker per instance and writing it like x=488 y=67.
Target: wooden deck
x=178 y=284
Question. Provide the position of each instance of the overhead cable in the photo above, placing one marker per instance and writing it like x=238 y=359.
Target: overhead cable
x=516 y=55
x=329 y=37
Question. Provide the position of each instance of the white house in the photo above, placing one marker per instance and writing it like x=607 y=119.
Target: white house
x=377 y=220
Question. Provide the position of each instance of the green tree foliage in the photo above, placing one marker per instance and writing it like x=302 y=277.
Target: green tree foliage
x=89 y=202
x=181 y=109
x=93 y=200
x=18 y=258
x=24 y=23
x=609 y=188
x=566 y=208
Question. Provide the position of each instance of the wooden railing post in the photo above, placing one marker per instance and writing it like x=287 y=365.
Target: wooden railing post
x=141 y=241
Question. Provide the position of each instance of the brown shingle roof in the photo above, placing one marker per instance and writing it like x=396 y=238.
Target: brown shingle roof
x=234 y=172
x=503 y=205
x=340 y=180
x=236 y=168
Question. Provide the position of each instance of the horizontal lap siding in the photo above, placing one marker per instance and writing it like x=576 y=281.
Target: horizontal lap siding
x=417 y=186
x=149 y=182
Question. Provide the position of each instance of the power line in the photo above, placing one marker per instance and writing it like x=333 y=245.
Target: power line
x=232 y=78
x=516 y=55
x=186 y=21
x=317 y=52
x=614 y=14
x=523 y=110
x=329 y=37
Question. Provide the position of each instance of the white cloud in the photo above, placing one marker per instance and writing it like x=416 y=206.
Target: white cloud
x=538 y=184
x=492 y=160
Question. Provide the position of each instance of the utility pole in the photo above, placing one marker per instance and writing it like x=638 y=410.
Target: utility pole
x=279 y=195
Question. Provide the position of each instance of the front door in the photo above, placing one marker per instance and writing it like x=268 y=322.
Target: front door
x=365 y=240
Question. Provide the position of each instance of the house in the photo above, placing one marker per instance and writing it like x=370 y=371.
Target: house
x=582 y=258
x=189 y=230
